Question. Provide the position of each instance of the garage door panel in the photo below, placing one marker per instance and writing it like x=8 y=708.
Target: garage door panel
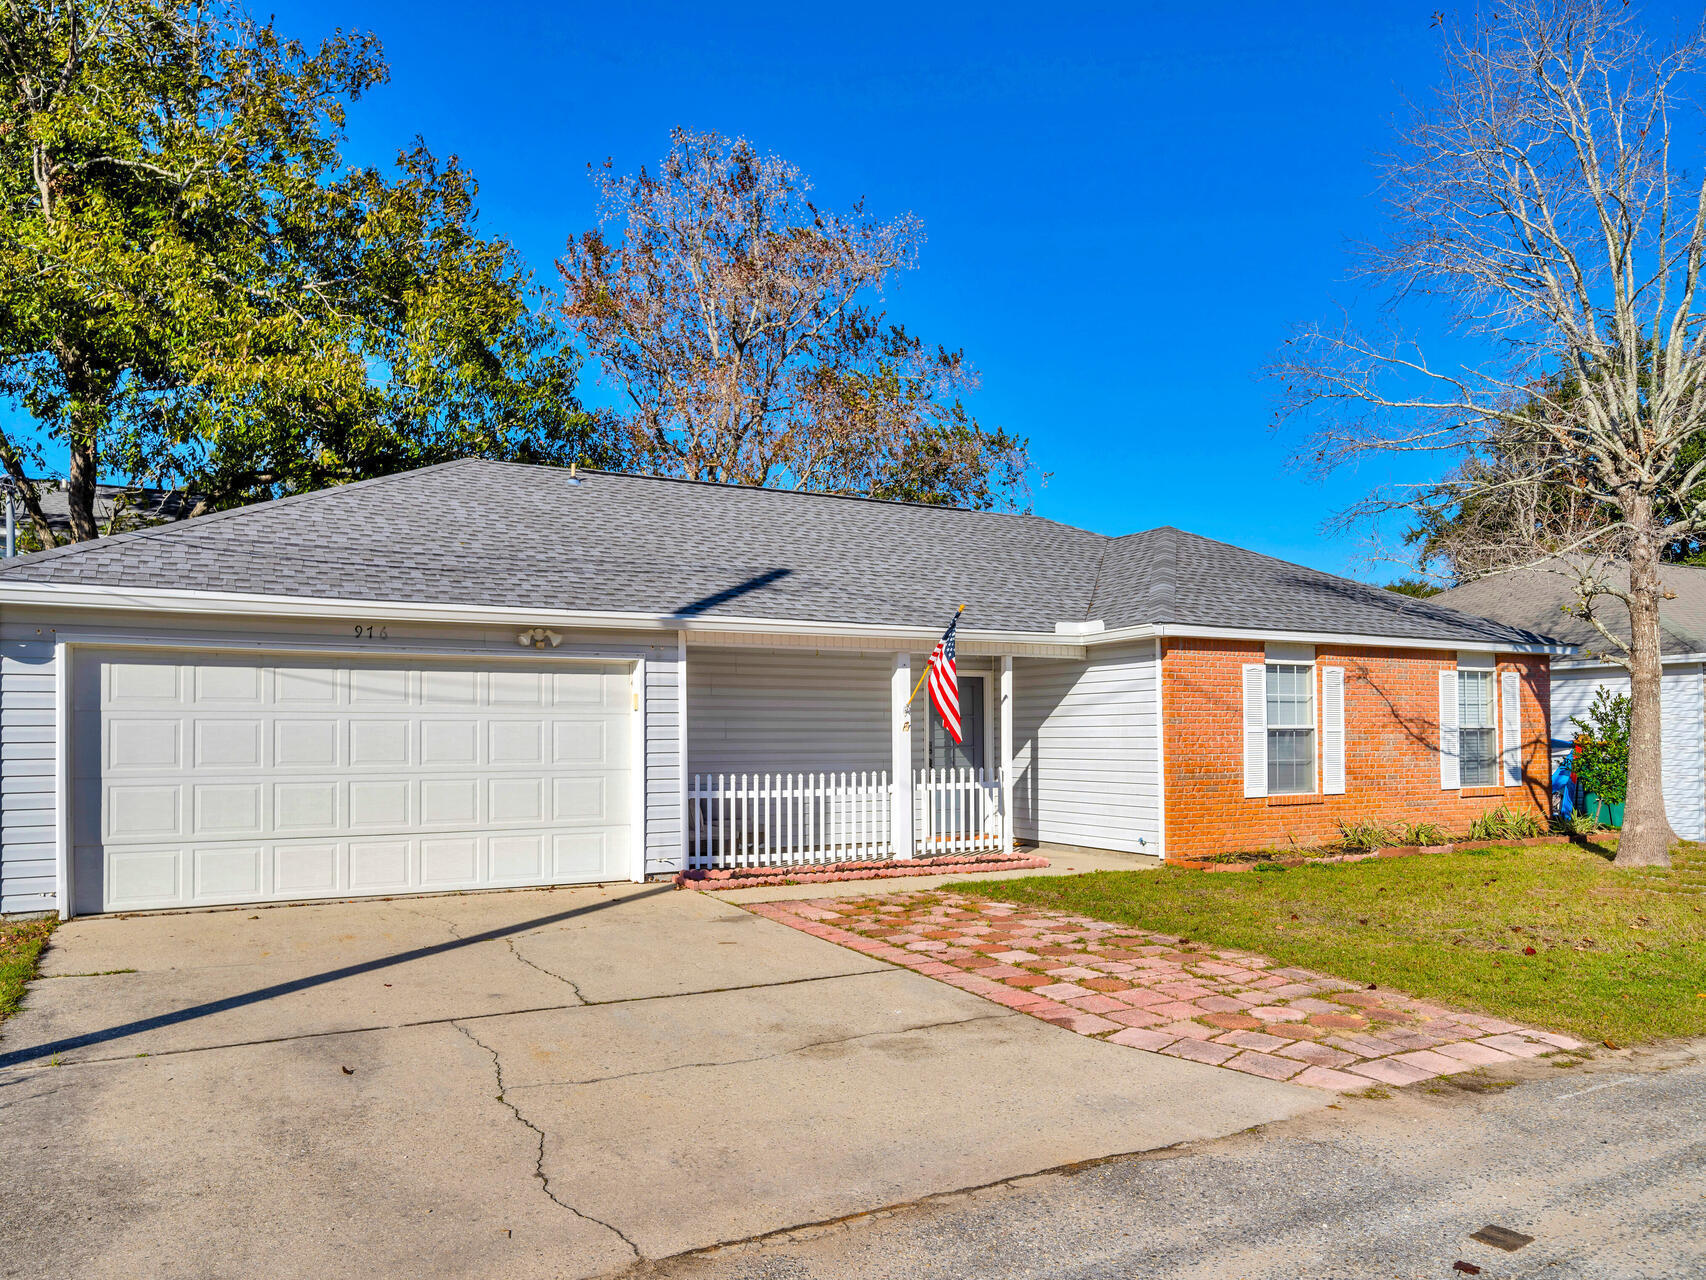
x=148 y=743
x=450 y=864
x=513 y=742
x=305 y=807
x=224 y=873
x=379 y=743
x=236 y=780
x=305 y=870
x=378 y=864
x=141 y=877
x=449 y=800
x=228 y=809
x=306 y=686
x=518 y=859
x=222 y=685
x=229 y=744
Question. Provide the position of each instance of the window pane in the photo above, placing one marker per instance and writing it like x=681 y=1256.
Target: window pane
x=1475 y=699
x=1291 y=761
x=1291 y=701
x=1478 y=757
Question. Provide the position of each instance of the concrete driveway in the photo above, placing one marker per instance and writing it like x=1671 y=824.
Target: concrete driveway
x=551 y=1083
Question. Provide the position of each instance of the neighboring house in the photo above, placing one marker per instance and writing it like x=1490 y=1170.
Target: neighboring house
x=1537 y=599
x=484 y=674
x=118 y=507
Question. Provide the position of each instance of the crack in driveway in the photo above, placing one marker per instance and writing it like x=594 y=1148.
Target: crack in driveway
x=539 y=1160
x=569 y=982
x=766 y=1057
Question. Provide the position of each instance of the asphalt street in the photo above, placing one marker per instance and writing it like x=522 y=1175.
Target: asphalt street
x=1602 y=1162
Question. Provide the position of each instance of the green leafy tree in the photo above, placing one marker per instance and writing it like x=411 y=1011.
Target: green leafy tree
x=1420 y=588
x=1602 y=748
x=196 y=289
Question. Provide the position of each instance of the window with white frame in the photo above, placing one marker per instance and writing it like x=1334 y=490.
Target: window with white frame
x=1291 y=728
x=1477 y=731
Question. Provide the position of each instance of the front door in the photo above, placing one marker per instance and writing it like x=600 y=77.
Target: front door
x=945 y=753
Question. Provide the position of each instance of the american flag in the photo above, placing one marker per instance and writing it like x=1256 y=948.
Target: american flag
x=945 y=680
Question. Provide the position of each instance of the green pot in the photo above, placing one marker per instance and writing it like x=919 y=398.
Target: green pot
x=1607 y=815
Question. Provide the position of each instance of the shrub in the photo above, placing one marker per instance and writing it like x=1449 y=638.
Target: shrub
x=1602 y=751
x=1366 y=834
x=1424 y=833
x=1577 y=824
x=1504 y=823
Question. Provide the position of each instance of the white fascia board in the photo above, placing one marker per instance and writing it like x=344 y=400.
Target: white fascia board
x=54 y=595
x=1189 y=632
x=126 y=599
x=1588 y=663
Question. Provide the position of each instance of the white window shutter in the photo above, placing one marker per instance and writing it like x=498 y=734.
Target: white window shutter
x=1510 y=707
x=1448 y=772
x=1333 y=731
x=1255 y=729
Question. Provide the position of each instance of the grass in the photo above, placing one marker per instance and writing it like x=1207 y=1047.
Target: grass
x=1618 y=955
x=21 y=944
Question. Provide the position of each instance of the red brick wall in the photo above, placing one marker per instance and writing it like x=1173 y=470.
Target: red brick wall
x=1391 y=748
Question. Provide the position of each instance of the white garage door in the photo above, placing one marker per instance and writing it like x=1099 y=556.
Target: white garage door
x=200 y=780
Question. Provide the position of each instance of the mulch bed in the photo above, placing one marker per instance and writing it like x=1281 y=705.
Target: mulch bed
x=1250 y=861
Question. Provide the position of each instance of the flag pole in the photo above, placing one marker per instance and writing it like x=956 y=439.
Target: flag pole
x=925 y=675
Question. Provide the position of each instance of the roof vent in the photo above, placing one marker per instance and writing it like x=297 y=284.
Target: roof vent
x=574 y=473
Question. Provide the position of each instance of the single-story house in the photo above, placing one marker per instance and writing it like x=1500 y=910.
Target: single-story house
x=484 y=674
x=1537 y=598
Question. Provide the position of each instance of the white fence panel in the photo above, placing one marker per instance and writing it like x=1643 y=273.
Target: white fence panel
x=787 y=819
x=958 y=811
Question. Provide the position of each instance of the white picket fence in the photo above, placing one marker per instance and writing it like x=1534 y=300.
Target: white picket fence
x=787 y=819
x=795 y=819
x=958 y=811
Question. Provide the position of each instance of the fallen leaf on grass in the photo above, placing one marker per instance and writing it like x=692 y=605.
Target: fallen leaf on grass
x=1529 y=951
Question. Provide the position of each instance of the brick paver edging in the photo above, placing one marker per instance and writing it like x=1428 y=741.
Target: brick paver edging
x=1150 y=991
x=835 y=873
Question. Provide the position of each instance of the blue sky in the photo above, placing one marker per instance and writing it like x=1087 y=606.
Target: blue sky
x=1126 y=206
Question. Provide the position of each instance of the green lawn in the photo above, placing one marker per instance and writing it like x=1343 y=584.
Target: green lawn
x=1618 y=955
x=21 y=944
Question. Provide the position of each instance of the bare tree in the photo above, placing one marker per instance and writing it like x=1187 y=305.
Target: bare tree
x=737 y=316
x=1550 y=198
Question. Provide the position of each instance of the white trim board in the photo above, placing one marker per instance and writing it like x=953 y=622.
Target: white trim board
x=881 y=634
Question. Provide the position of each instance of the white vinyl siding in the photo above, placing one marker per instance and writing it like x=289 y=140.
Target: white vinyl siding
x=1683 y=730
x=788 y=711
x=27 y=809
x=1086 y=747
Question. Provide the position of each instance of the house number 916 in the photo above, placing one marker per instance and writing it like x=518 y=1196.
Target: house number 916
x=372 y=633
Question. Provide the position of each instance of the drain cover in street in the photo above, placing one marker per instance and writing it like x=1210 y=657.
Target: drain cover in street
x=1501 y=1238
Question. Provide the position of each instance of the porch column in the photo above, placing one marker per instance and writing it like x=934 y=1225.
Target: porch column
x=900 y=738
x=1006 y=754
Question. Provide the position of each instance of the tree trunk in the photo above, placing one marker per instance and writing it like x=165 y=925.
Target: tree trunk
x=1647 y=836
x=91 y=391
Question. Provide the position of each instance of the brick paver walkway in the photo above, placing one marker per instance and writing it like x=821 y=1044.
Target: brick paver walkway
x=1150 y=991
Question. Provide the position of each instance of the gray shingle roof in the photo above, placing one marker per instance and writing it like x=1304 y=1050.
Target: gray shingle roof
x=488 y=533
x=1534 y=599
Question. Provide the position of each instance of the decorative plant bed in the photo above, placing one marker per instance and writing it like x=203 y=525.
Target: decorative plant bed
x=941 y=864
x=1261 y=858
